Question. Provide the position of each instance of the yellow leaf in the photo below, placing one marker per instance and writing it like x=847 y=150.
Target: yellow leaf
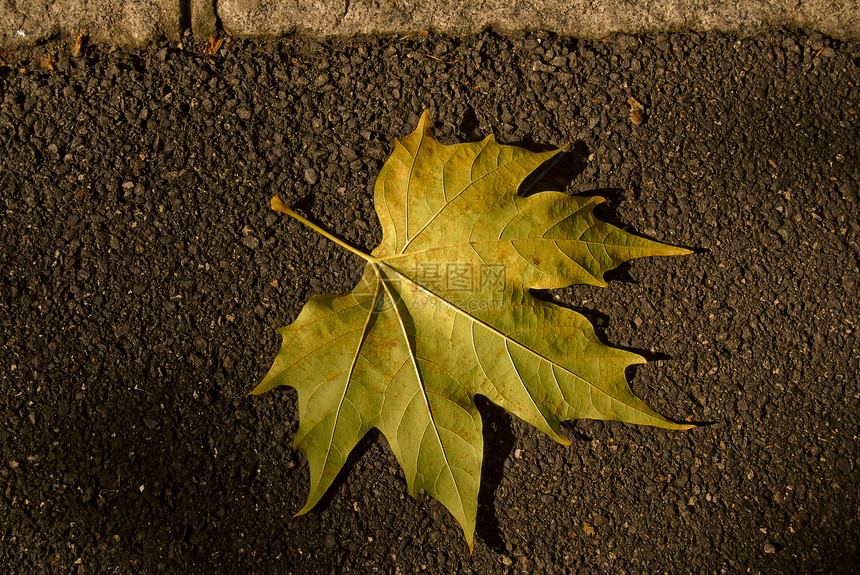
x=444 y=312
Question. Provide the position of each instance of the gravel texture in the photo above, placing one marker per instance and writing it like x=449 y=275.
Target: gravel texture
x=142 y=274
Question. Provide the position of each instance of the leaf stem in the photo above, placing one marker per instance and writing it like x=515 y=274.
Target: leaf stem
x=279 y=206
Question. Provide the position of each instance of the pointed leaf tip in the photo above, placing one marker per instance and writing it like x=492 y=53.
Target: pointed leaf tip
x=675 y=251
x=424 y=121
x=258 y=390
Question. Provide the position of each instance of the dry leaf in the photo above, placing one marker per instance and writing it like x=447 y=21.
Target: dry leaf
x=213 y=44
x=444 y=312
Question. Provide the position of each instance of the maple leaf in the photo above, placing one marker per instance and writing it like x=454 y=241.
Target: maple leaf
x=443 y=313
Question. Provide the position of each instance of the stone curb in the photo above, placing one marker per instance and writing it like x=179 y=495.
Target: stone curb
x=136 y=23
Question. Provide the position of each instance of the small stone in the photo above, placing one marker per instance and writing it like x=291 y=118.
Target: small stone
x=330 y=541
x=251 y=242
x=311 y=176
x=769 y=548
x=348 y=153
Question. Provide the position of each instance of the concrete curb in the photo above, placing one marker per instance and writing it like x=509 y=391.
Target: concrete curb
x=131 y=23
x=136 y=23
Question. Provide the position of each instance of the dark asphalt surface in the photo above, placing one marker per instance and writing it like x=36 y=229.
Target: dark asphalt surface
x=142 y=275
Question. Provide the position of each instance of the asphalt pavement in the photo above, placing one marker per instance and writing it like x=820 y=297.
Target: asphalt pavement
x=142 y=275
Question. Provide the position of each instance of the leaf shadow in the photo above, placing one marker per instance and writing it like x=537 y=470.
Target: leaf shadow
x=608 y=212
x=600 y=322
x=554 y=175
x=557 y=173
x=469 y=125
x=499 y=441
x=304 y=203
x=364 y=444
x=570 y=427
